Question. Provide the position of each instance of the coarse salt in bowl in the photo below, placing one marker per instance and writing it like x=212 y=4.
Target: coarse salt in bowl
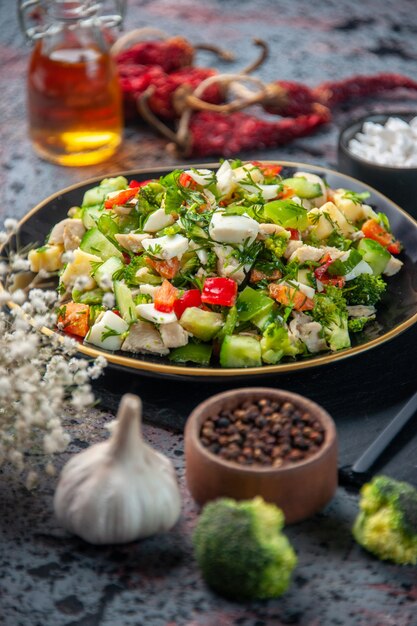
x=381 y=150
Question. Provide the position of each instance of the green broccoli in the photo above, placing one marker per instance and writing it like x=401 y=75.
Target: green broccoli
x=241 y=550
x=276 y=343
x=356 y=324
x=366 y=289
x=330 y=311
x=387 y=522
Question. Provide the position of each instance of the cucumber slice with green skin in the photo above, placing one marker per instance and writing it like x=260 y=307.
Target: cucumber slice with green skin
x=303 y=188
x=374 y=254
x=240 y=351
x=107 y=270
x=97 y=194
x=199 y=353
x=201 y=324
x=287 y=214
x=91 y=215
x=125 y=302
x=341 y=268
x=95 y=296
x=229 y=324
x=107 y=225
x=96 y=243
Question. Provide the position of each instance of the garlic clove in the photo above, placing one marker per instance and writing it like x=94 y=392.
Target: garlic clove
x=119 y=490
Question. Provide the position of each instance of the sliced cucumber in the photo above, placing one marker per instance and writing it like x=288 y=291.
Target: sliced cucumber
x=302 y=187
x=91 y=215
x=240 y=351
x=373 y=253
x=124 y=301
x=96 y=243
x=107 y=270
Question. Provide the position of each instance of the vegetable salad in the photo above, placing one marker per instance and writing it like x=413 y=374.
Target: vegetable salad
x=239 y=267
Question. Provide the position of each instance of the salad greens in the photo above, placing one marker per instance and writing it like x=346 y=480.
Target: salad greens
x=240 y=266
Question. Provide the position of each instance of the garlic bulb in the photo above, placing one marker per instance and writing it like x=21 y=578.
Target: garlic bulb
x=121 y=489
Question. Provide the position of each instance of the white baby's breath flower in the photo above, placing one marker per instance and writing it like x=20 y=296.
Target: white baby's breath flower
x=39 y=376
x=108 y=300
x=81 y=283
x=18 y=264
x=4 y=268
x=67 y=256
x=5 y=297
x=10 y=224
x=106 y=281
x=18 y=296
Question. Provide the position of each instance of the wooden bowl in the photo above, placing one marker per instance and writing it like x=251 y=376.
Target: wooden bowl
x=300 y=489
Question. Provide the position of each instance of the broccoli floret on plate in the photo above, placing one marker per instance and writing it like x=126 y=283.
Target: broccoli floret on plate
x=276 y=343
x=366 y=289
x=241 y=550
x=331 y=312
x=387 y=522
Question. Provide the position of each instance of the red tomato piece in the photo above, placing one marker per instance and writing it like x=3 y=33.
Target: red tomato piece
x=166 y=269
x=74 y=317
x=373 y=230
x=165 y=296
x=185 y=180
x=268 y=169
x=134 y=184
x=290 y=296
x=220 y=291
x=294 y=234
x=121 y=198
x=192 y=297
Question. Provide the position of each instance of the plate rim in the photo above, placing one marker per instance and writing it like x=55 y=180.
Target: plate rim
x=207 y=372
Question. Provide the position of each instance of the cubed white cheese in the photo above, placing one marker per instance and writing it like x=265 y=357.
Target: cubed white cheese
x=233 y=228
x=361 y=268
x=393 y=266
x=202 y=177
x=148 y=290
x=307 y=290
x=148 y=312
x=166 y=247
x=108 y=332
x=157 y=221
x=225 y=179
x=267 y=192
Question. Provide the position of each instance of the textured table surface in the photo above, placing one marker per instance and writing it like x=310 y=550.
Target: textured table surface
x=48 y=578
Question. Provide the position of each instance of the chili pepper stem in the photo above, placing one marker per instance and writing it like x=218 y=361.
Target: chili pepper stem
x=260 y=43
x=149 y=117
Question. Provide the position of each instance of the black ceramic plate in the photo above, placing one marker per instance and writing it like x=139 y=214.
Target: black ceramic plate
x=396 y=313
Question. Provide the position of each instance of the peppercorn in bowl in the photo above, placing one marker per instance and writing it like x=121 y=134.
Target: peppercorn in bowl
x=381 y=149
x=265 y=442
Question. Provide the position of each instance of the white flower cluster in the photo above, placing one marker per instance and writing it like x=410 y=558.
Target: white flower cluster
x=40 y=378
x=393 y=144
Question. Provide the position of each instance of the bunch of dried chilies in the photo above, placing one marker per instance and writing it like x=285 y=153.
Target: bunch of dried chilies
x=200 y=110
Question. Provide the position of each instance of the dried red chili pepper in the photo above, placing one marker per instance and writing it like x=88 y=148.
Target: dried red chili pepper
x=212 y=133
x=169 y=54
x=332 y=93
x=167 y=88
x=289 y=99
